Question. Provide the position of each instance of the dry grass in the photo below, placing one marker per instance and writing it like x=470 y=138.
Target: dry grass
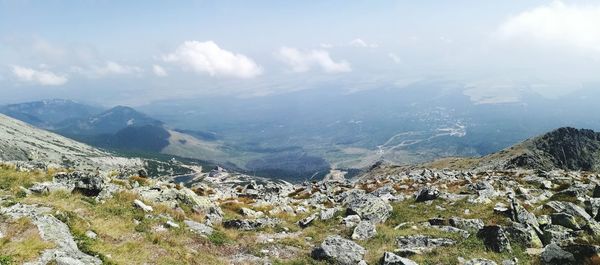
x=21 y=241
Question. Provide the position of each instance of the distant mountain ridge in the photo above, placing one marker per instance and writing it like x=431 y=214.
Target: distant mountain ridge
x=49 y=113
x=108 y=122
x=564 y=148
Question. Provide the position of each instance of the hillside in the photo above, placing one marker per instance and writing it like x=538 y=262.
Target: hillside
x=398 y=216
x=564 y=148
x=22 y=142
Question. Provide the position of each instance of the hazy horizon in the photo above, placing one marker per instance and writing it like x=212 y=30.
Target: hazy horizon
x=97 y=52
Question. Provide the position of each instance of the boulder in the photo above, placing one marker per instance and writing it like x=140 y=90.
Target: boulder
x=249 y=225
x=198 y=228
x=390 y=258
x=568 y=207
x=139 y=204
x=592 y=207
x=554 y=255
x=466 y=224
x=417 y=244
x=307 y=221
x=583 y=253
x=328 y=213
x=85 y=183
x=364 y=230
x=524 y=234
x=565 y=219
x=369 y=207
x=494 y=238
x=250 y=213
x=555 y=234
x=337 y=250
x=427 y=194
x=351 y=220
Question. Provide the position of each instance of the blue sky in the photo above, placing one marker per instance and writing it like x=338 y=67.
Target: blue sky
x=137 y=52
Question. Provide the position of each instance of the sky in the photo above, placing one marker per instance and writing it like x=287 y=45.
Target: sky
x=138 y=52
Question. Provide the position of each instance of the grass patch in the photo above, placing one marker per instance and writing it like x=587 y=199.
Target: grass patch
x=21 y=242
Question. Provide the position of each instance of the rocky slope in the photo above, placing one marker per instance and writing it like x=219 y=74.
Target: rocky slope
x=389 y=215
x=22 y=142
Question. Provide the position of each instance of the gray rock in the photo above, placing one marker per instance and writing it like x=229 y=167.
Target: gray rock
x=90 y=234
x=338 y=250
x=369 y=207
x=53 y=230
x=198 y=228
x=524 y=234
x=466 y=224
x=554 y=255
x=565 y=220
x=390 y=258
x=427 y=194
x=494 y=238
x=583 y=253
x=480 y=262
x=171 y=224
x=451 y=229
x=249 y=225
x=592 y=206
x=328 y=213
x=364 y=230
x=250 y=213
x=82 y=182
x=49 y=187
x=555 y=234
x=568 y=207
x=513 y=261
x=307 y=221
x=139 y=204
x=418 y=244
x=351 y=220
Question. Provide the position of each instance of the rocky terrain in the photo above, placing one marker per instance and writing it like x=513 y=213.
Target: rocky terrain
x=439 y=213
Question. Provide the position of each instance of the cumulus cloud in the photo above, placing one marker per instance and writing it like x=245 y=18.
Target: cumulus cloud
x=557 y=23
x=208 y=57
x=362 y=44
x=41 y=77
x=302 y=61
x=159 y=71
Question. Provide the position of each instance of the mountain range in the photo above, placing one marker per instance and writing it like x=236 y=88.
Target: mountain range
x=304 y=134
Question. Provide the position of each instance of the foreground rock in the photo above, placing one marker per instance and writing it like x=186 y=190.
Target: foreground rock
x=364 y=230
x=53 y=230
x=554 y=255
x=495 y=238
x=369 y=207
x=338 y=250
x=418 y=244
x=390 y=258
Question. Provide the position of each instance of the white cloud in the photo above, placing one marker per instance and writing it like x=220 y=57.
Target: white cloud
x=208 y=57
x=395 y=57
x=302 y=61
x=41 y=77
x=362 y=44
x=556 y=23
x=115 y=68
x=109 y=68
x=159 y=71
